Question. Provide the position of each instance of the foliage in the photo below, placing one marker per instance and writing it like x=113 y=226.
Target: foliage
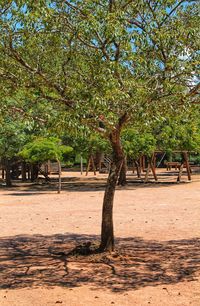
x=12 y=137
x=43 y=149
x=87 y=143
x=179 y=133
x=88 y=58
x=136 y=144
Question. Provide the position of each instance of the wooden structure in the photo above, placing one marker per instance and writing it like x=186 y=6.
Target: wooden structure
x=169 y=165
x=147 y=165
x=90 y=163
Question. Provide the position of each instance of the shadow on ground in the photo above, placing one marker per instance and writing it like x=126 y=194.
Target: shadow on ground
x=85 y=184
x=34 y=261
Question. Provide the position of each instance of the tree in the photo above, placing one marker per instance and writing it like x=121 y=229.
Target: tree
x=18 y=124
x=41 y=150
x=12 y=138
x=137 y=143
x=179 y=133
x=130 y=61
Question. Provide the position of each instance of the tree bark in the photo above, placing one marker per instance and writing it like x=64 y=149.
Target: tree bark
x=34 y=172
x=23 y=165
x=122 y=176
x=107 y=229
x=8 y=174
x=187 y=165
x=138 y=169
x=181 y=168
x=3 y=173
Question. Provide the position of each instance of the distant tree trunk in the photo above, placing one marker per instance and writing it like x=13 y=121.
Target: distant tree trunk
x=122 y=176
x=59 y=176
x=181 y=167
x=8 y=174
x=107 y=230
x=34 y=172
x=23 y=171
x=3 y=173
x=138 y=168
x=29 y=172
x=45 y=174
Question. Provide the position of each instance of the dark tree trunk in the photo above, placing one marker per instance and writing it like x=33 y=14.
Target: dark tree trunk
x=45 y=174
x=23 y=171
x=8 y=174
x=107 y=230
x=122 y=176
x=34 y=172
x=181 y=167
x=29 y=172
x=3 y=173
x=138 y=168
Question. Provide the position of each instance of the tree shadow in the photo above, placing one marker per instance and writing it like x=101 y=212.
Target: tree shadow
x=87 y=185
x=34 y=261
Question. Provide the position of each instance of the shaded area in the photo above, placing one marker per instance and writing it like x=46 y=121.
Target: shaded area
x=34 y=261
x=68 y=184
x=83 y=184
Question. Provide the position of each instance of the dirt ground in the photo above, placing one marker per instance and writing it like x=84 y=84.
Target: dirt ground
x=157 y=257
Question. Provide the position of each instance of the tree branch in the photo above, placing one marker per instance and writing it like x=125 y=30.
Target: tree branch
x=122 y=120
x=23 y=112
x=51 y=84
x=171 y=12
x=194 y=90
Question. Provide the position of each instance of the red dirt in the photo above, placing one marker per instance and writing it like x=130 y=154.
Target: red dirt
x=157 y=258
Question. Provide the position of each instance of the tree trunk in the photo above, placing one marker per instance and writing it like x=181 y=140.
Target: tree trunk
x=23 y=165
x=138 y=169
x=107 y=231
x=34 y=172
x=29 y=172
x=122 y=176
x=8 y=174
x=88 y=165
x=187 y=165
x=181 y=168
x=147 y=172
x=3 y=173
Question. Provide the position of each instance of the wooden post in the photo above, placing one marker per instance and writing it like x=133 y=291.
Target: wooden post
x=180 y=172
x=59 y=176
x=81 y=165
x=143 y=163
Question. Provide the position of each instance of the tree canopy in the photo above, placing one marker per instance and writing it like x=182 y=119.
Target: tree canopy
x=41 y=150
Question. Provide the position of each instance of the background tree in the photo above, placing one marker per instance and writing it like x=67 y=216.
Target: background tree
x=41 y=150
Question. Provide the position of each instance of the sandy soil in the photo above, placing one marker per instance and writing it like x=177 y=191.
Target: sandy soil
x=157 y=258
